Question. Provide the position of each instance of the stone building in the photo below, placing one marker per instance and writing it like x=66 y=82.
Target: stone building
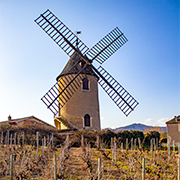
x=173 y=129
x=81 y=111
x=26 y=121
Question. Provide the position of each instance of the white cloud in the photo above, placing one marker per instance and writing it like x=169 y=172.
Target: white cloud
x=161 y=121
x=148 y=121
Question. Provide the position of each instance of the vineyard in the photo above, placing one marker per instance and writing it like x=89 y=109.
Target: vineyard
x=81 y=155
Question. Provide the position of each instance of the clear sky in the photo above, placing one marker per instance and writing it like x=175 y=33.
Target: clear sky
x=147 y=66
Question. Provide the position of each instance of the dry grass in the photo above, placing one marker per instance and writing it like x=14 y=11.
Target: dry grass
x=81 y=163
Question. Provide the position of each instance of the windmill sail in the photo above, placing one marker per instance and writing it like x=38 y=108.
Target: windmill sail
x=107 y=46
x=62 y=91
x=60 y=33
x=49 y=97
x=67 y=85
x=116 y=92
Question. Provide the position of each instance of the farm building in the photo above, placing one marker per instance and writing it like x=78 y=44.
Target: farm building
x=26 y=121
x=173 y=129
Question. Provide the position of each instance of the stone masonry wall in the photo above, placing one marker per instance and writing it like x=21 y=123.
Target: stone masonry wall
x=81 y=103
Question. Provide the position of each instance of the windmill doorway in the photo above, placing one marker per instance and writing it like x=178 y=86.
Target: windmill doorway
x=87 y=120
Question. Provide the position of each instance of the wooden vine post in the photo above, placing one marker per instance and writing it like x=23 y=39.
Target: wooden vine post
x=48 y=140
x=131 y=144
x=11 y=167
x=82 y=141
x=37 y=136
x=115 y=150
x=6 y=140
x=2 y=137
x=99 y=168
x=55 y=167
x=151 y=142
x=44 y=141
x=154 y=144
x=143 y=169
x=173 y=146
x=11 y=141
x=122 y=147
x=126 y=143
x=19 y=138
x=67 y=143
x=42 y=146
x=97 y=141
x=135 y=144
x=23 y=139
x=139 y=142
x=15 y=138
x=52 y=139
x=112 y=150
x=7 y=137
x=168 y=149
x=157 y=142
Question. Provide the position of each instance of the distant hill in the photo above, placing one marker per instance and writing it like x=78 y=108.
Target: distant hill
x=140 y=127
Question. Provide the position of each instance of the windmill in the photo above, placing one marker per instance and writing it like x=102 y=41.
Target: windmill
x=74 y=98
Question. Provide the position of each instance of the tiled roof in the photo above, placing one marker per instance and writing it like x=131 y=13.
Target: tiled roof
x=24 y=119
x=175 y=120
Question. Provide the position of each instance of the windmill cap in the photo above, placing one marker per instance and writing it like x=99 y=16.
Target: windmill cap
x=74 y=66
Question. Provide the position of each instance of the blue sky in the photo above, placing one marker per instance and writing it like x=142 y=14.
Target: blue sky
x=147 y=66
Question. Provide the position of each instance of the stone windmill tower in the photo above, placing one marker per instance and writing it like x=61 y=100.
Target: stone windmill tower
x=82 y=109
x=74 y=98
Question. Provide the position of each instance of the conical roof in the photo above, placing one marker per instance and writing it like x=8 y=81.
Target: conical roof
x=74 y=65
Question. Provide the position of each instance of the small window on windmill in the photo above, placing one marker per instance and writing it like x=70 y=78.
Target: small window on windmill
x=87 y=120
x=85 y=84
x=81 y=63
